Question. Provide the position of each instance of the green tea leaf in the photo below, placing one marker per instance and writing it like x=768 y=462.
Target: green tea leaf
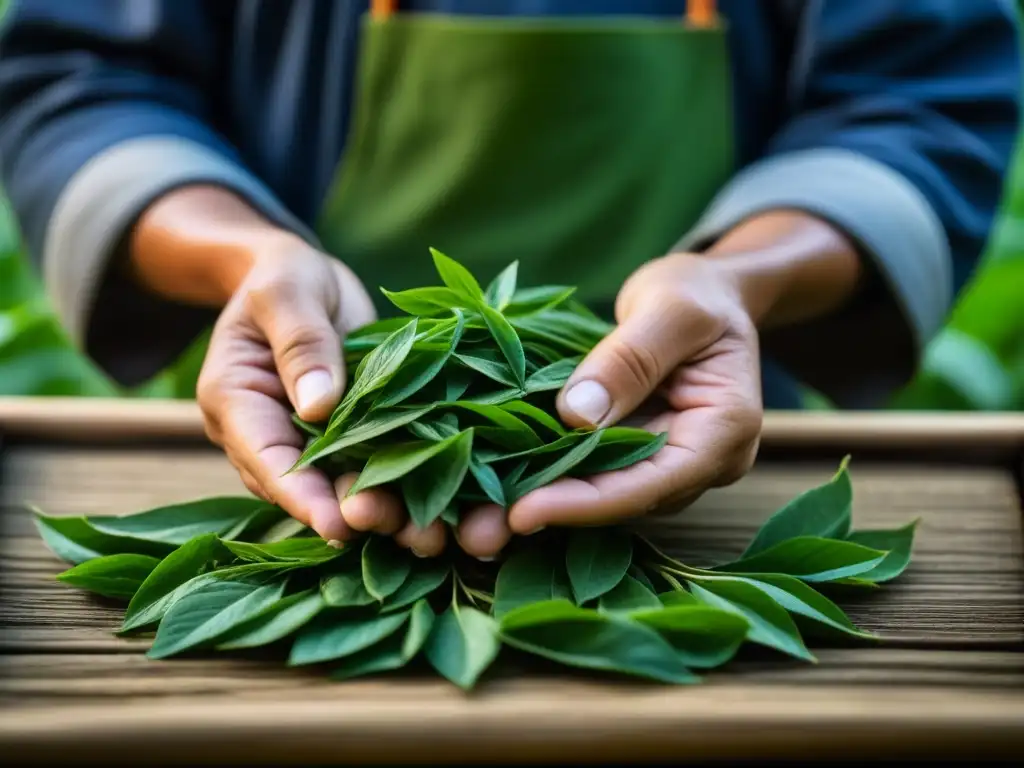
x=508 y=342
x=552 y=377
x=210 y=611
x=526 y=301
x=395 y=461
x=457 y=277
x=331 y=636
x=346 y=588
x=191 y=559
x=581 y=637
x=898 y=543
x=287 y=528
x=797 y=597
x=515 y=434
x=810 y=558
x=177 y=523
x=308 y=551
x=426 y=302
x=503 y=287
x=627 y=596
x=597 y=560
x=275 y=622
x=488 y=481
x=770 y=624
x=373 y=425
x=530 y=576
x=561 y=444
x=462 y=645
x=74 y=540
x=704 y=637
x=522 y=408
x=385 y=566
x=495 y=370
x=560 y=467
x=312 y=430
x=117 y=576
x=429 y=490
x=617 y=451
x=426 y=577
x=457 y=381
x=824 y=512
x=419 y=370
x=394 y=652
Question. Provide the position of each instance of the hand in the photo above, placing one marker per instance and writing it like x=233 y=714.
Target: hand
x=685 y=337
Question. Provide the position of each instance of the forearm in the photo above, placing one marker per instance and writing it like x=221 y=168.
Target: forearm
x=195 y=244
x=789 y=266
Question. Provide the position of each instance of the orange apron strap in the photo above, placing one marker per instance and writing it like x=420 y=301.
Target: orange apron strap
x=699 y=13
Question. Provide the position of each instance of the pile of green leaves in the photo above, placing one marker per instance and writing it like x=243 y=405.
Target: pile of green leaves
x=453 y=405
x=452 y=401
x=224 y=574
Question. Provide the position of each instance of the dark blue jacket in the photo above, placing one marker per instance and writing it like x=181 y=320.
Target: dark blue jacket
x=894 y=119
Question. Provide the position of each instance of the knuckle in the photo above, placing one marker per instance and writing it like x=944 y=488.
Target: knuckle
x=638 y=362
x=303 y=343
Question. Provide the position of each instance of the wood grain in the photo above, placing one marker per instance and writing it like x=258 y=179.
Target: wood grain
x=948 y=682
x=98 y=419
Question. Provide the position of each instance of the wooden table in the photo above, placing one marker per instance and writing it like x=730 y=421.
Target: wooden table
x=948 y=682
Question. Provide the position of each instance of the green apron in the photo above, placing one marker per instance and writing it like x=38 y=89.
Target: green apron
x=579 y=148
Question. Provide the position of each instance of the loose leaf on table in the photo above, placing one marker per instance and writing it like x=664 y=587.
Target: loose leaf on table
x=596 y=560
x=117 y=576
x=457 y=277
x=799 y=598
x=463 y=643
x=705 y=637
x=627 y=596
x=824 y=511
x=210 y=611
x=501 y=290
x=74 y=540
x=530 y=575
x=770 y=624
x=394 y=651
x=276 y=622
x=430 y=488
x=385 y=566
x=177 y=523
x=563 y=465
x=581 y=637
x=191 y=559
x=810 y=558
x=898 y=543
x=331 y=636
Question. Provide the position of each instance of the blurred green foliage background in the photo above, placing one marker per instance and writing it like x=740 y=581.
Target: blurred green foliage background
x=975 y=363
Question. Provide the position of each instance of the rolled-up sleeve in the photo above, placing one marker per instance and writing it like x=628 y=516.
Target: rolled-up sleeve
x=105 y=106
x=903 y=120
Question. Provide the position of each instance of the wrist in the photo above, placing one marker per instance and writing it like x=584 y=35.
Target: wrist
x=787 y=267
x=197 y=244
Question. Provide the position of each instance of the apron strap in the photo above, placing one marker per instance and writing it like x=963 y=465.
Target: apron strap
x=699 y=13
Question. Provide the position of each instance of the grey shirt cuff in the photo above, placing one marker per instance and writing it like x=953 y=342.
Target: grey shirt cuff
x=100 y=204
x=894 y=227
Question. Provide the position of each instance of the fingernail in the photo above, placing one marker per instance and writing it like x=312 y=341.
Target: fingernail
x=490 y=559
x=312 y=388
x=536 y=530
x=588 y=400
x=335 y=543
x=417 y=553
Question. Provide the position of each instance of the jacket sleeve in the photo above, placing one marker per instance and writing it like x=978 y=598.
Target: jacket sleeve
x=105 y=106
x=902 y=121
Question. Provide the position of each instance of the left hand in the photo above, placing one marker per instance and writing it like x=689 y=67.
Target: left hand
x=684 y=334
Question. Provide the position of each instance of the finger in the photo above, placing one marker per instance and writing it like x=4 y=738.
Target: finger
x=264 y=441
x=424 y=542
x=628 y=365
x=373 y=510
x=306 y=348
x=484 y=532
x=707 y=447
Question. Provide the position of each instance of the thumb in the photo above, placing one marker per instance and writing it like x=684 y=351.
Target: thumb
x=307 y=352
x=627 y=366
